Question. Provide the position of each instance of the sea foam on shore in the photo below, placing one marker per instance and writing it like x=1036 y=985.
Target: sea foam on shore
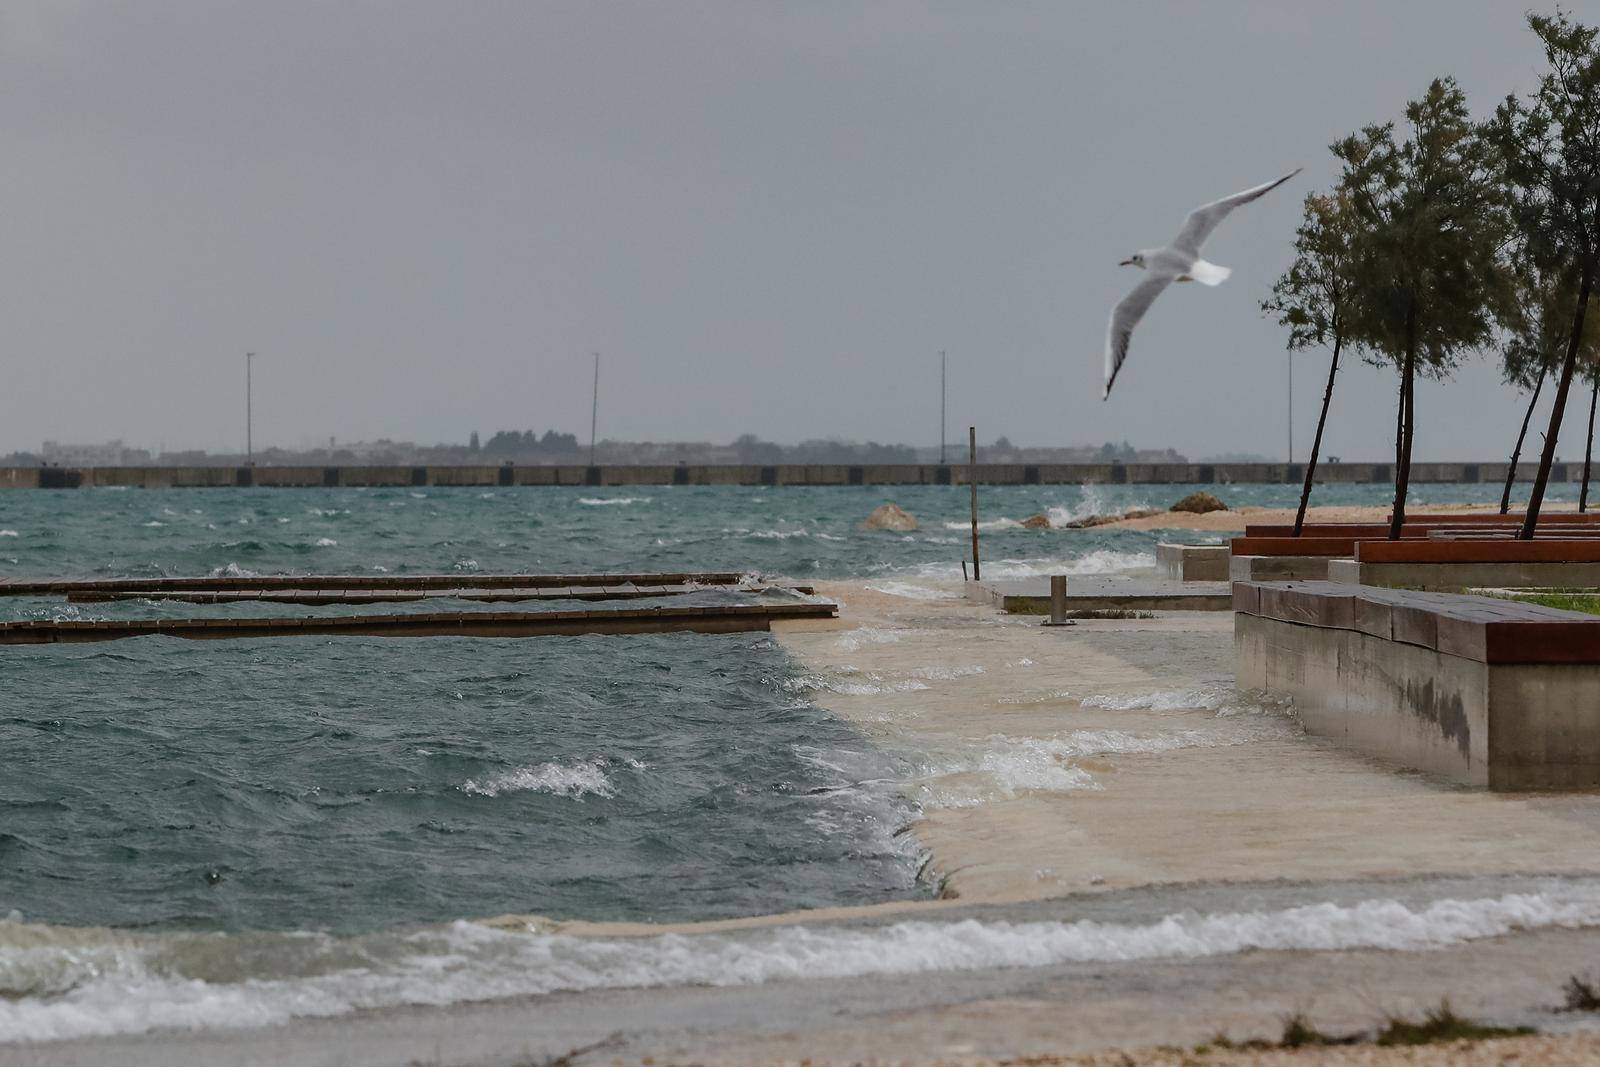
x=59 y=982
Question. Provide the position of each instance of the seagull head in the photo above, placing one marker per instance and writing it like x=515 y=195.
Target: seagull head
x=1135 y=260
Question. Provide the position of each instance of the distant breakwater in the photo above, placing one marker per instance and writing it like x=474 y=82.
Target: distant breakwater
x=199 y=477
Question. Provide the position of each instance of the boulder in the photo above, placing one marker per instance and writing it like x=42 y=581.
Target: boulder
x=889 y=517
x=1106 y=520
x=1036 y=522
x=1199 y=504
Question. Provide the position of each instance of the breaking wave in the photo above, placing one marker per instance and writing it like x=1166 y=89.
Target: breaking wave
x=583 y=778
x=60 y=982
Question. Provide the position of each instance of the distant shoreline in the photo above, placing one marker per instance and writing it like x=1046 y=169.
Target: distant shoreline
x=799 y=474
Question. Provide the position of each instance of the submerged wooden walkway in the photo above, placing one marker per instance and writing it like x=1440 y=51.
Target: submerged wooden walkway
x=81 y=586
x=718 y=619
x=333 y=590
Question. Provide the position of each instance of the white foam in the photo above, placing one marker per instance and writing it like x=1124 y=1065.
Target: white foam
x=153 y=524
x=914 y=592
x=1099 y=561
x=9 y=533
x=231 y=570
x=560 y=779
x=875 y=685
x=326 y=542
x=868 y=635
x=95 y=983
x=945 y=674
x=1001 y=523
x=612 y=501
x=1218 y=697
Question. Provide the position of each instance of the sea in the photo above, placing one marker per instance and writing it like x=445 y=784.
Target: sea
x=235 y=833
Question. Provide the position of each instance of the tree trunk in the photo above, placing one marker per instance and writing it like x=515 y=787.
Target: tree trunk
x=1402 y=470
x=1516 y=453
x=1531 y=521
x=1588 y=448
x=1316 y=442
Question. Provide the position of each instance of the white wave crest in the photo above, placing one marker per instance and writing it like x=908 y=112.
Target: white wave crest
x=914 y=592
x=326 y=542
x=1100 y=561
x=560 y=779
x=64 y=983
x=868 y=635
x=875 y=685
x=231 y=570
x=612 y=501
x=9 y=533
x=1218 y=697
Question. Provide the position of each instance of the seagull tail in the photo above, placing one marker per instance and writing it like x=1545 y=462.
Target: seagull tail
x=1209 y=273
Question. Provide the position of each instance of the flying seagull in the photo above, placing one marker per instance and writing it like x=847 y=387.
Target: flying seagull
x=1178 y=262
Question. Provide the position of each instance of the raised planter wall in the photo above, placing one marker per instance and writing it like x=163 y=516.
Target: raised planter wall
x=1486 y=692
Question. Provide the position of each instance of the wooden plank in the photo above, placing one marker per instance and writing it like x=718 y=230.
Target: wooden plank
x=1292 y=546
x=1538 y=551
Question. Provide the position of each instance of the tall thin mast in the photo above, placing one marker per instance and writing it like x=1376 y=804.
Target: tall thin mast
x=594 y=410
x=941 y=407
x=249 y=442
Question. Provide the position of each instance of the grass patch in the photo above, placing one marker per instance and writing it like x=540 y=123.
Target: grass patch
x=1027 y=607
x=1437 y=1026
x=1582 y=994
x=1442 y=1024
x=1588 y=603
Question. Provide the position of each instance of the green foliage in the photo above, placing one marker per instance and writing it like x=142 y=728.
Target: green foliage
x=1549 y=150
x=1549 y=147
x=1581 y=994
x=1427 y=281
x=1310 y=297
x=1442 y=1024
x=1538 y=324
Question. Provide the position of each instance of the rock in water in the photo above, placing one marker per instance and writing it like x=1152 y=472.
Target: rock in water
x=1036 y=522
x=889 y=517
x=1199 y=504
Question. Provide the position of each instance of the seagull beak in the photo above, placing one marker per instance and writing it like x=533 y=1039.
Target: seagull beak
x=1126 y=263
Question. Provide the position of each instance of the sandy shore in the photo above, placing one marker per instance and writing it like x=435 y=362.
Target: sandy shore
x=1103 y=772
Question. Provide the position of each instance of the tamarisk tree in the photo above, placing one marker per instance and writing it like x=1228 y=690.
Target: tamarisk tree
x=1536 y=337
x=1550 y=147
x=1310 y=300
x=1426 y=284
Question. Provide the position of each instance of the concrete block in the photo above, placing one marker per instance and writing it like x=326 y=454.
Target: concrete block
x=1193 y=563
x=1279 y=568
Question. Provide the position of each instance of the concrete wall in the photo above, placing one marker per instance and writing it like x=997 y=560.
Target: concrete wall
x=781 y=474
x=1504 y=726
x=1278 y=568
x=1449 y=577
x=1193 y=563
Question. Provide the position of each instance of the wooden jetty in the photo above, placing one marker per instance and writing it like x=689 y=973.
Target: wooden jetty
x=78 y=586
x=716 y=619
x=1032 y=595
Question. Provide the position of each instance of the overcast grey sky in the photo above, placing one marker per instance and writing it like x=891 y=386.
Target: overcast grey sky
x=767 y=217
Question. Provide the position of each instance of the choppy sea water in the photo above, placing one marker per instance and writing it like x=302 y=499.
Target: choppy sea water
x=230 y=833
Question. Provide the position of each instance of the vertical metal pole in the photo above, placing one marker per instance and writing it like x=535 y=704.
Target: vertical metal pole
x=249 y=441
x=1291 y=409
x=1058 y=600
x=594 y=410
x=972 y=477
x=941 y=407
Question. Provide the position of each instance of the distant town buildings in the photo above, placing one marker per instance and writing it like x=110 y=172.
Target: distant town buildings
x=531 y=448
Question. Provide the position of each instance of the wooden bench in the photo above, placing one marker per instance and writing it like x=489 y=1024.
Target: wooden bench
x=1491 y=692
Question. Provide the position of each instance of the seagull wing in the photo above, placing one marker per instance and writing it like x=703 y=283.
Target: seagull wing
x=1124 y=317
x=1203 y=219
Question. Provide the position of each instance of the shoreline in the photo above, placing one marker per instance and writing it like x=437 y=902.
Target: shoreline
x=1086 y=775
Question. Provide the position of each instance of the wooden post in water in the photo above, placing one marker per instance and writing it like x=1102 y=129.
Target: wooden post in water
x=972 y=478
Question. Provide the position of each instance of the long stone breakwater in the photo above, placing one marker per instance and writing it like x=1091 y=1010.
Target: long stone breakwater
x=781 y=474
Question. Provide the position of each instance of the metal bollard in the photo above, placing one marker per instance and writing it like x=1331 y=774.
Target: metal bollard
x=1058 y=601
